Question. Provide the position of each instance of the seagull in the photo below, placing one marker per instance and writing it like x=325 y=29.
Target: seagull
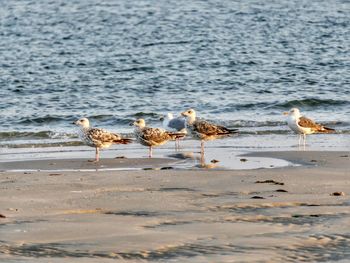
x=98 y=138
x=172 y=124
x=150 y=137
x=303 y=126
x=203 y=130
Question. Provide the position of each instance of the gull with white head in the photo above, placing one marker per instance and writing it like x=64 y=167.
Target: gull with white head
x=177 y=124
x=204 y=130
x=150 y=137
x=98 y=138
x=303 y=126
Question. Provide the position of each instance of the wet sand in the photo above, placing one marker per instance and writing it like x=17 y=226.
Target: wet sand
x=177 y=215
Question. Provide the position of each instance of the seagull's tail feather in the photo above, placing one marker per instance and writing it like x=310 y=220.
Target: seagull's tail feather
x=325 y=129
x=233 y=131
x=221 y=130
x=228 y=131
x=176 y=135
x=122 y=141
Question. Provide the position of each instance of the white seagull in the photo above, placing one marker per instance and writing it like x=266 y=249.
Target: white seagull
x=203 y=130
x=303 y=126
x=98 y=138
x=172 y=124
x=150 y=137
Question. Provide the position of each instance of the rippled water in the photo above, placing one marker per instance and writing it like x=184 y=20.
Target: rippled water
x=240 y=63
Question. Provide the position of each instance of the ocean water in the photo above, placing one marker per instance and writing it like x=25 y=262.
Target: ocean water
x=238 y=63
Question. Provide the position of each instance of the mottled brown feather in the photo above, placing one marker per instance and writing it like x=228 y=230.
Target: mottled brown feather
x=307 y=123
x=98 y=136
x=157 y=135
x=209 y=129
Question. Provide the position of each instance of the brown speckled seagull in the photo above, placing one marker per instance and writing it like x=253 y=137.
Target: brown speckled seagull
x=150 y=137
x=98 y=138
x=203 y=130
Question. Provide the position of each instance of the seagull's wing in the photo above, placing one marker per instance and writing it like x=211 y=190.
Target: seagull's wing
x=308 y=123
x=208 y=128
x=154 y=134
x=98 y=135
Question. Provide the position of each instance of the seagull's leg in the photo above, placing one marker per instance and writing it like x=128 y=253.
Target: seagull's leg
x=150 y=152
x=202 y=160
x=300 y=137
x=304 y=135
x=178 y=143
x=97 y=155
x=202 y=148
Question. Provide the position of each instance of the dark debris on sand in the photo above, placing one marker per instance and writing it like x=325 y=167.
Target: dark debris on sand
x=269 y=182
x=338 y=194
x=257 y=197
x=281 y=191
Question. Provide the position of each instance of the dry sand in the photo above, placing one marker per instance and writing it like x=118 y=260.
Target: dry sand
x=177 y=215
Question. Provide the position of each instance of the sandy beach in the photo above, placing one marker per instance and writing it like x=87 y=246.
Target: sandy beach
x=286 y=214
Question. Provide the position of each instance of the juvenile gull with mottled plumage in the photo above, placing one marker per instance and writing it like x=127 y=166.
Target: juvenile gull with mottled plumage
x=150 y=137
x=172 y=124
x=204 y=130
x=98 y=138
x=303 y=126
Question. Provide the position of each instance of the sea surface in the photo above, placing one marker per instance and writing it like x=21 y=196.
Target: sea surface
x=237 y=63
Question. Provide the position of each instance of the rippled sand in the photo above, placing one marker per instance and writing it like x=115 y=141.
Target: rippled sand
x=275 y=215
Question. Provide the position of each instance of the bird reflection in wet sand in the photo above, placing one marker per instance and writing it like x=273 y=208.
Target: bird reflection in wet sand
x=210 y=165
x=192 y=156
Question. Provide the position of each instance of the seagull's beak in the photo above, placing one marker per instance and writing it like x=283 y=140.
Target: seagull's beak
x=286 y=113
x=183 y=114
x=74 y=122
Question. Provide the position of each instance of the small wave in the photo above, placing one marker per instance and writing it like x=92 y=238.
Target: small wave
x=141 y=114
x=133 y=69
x=44 y=119
x=15 y=135
x=285 y=105
x=244 y=106
x=311 y=102
x=166 y=43
x=15 y=145
x=249 y=123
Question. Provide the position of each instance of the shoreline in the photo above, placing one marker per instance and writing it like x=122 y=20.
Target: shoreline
x=226 y=154
x=77 y=165
x=182 y=161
